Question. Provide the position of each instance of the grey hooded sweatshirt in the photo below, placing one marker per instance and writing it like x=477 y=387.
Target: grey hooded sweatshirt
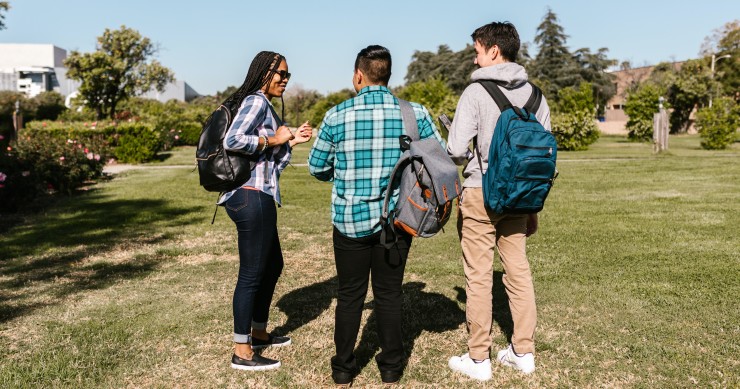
x=477 y=113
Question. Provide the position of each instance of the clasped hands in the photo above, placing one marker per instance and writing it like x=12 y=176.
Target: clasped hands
x=283 y=134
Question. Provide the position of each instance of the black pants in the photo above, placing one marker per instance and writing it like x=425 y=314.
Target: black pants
x=356 y=259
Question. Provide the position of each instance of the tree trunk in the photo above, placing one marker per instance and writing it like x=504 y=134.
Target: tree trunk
x=112 y=111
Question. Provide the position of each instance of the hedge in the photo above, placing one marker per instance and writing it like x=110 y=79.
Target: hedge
x=128 y=142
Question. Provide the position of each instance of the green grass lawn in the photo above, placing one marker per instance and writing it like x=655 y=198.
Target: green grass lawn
x=636 y=268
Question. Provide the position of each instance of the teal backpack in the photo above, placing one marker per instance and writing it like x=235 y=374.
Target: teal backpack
x=521 y=158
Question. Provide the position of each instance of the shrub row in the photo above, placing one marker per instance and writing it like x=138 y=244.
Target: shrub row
x=31 y=166
x=127 y=142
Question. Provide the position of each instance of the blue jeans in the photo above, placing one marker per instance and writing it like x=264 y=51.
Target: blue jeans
x=260 y=259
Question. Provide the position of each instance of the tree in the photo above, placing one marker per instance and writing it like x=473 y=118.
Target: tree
x=317 y=112
x=640 y=106
x=4 y=7
x=689 y=89
x=453 y=67
x=554 y=67
x=119 y=69
x=298 y=102
x=434 y=94
x=593 y=70
x=726 y=41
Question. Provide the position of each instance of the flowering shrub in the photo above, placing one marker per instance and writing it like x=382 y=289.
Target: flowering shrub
x=130 y=141
x=45 y=163
x=180 y=123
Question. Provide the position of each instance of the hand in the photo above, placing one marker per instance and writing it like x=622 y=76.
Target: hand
x=282 y=135
x=532 y=224
x=303 y=134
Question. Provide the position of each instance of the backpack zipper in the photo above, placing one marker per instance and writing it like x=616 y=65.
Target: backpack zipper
x=548 y=148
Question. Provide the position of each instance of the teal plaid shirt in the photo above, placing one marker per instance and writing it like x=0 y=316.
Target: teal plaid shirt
x=357 y=147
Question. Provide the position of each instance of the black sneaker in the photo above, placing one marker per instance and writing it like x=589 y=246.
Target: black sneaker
x=272 y=341
x=390 y=377
x=342 y=379
x=257 y=363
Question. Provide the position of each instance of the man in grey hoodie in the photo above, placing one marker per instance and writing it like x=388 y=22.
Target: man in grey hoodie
x=480 y=230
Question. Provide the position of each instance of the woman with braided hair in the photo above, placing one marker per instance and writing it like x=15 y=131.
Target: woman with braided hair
x=257 y=131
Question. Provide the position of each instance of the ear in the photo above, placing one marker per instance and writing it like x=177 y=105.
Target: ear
x=494 y=51
x=358 y=77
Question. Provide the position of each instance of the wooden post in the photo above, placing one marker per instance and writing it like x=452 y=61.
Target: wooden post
x=660 y=129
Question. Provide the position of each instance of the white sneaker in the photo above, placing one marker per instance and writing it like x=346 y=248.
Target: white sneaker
x=463 y=364
x=525 y=362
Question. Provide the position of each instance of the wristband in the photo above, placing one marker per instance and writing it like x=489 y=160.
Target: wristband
x=264 y=143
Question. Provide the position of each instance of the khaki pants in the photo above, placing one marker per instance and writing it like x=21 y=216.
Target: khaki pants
x=480 y=230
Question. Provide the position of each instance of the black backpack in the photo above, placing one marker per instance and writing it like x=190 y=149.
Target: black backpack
x=221 y=170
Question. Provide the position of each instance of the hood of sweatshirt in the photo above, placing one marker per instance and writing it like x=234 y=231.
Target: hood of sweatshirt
x=511 y=73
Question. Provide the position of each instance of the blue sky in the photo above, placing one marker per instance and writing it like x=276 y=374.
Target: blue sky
x=209 y=44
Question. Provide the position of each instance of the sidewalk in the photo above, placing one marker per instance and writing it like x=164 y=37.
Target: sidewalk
x=122 y=167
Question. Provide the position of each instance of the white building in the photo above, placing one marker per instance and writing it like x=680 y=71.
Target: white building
x=36 y=68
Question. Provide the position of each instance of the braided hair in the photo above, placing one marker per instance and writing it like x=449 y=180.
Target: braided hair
x=261 y=71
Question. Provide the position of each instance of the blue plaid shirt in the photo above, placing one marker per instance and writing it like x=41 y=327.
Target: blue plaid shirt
x=253 y=119
x=357 y=147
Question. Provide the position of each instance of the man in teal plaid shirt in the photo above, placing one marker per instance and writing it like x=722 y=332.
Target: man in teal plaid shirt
x=357 y=147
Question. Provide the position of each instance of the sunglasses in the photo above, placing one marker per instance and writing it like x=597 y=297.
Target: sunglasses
x=284 y=75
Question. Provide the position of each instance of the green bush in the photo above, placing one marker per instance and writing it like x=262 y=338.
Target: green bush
x=48 y=105
x=718 y=125
x=576 y=130
x=573 y=118
x=190 y=133
x=136 y=143
x=44 y=106
x=31 y=166
x=129 y=142
x=640 y=106
x=180 y=123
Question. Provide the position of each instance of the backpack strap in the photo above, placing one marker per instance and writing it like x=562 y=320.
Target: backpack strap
x=493 y=89
x=533 y=104
x=275 y=115
x=409 y=119
x=388 y=235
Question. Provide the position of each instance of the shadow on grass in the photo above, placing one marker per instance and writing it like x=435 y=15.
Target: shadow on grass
x=422 y=311
x=162 y=156
x=304 y=305
x=42 y=261
x=501 y=310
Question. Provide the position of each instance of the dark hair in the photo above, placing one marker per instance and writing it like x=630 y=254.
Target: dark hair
x=261 y=70
x=375 y=63
x=503 y=35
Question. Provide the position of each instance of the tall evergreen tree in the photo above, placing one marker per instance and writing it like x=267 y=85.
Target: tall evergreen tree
x=4 y=7
x=554 y=67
